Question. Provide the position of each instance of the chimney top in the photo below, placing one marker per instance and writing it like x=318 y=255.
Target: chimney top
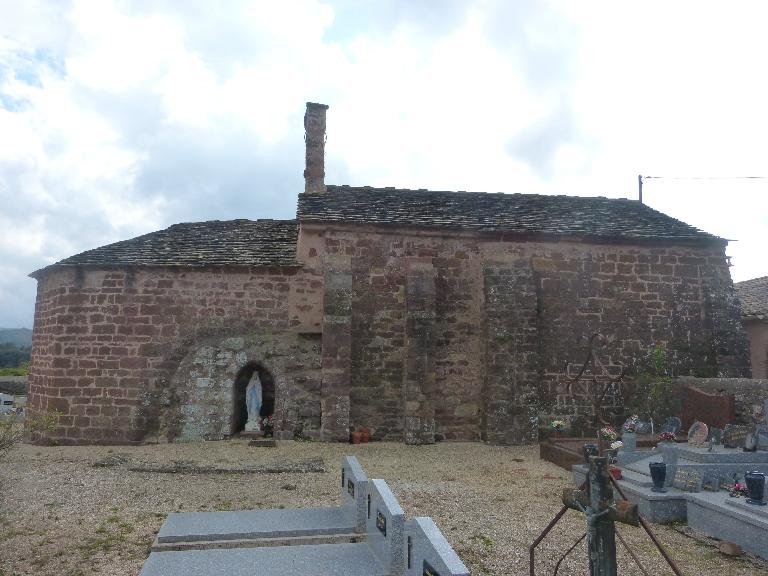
x=314 y=137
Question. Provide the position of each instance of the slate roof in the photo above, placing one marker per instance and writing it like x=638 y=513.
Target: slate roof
x=753 y=295
x=487 y=212
x=214 y=243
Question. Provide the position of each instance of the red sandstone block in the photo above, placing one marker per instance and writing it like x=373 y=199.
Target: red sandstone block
x=61 y=363
x=134 y=363
x=59 y=404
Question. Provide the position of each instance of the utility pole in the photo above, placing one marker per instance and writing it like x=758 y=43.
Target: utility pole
x=640 y=186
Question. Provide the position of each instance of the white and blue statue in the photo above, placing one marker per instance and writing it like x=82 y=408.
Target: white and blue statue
x=253 y=403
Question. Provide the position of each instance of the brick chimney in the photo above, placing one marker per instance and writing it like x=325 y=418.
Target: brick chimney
x=314 y=137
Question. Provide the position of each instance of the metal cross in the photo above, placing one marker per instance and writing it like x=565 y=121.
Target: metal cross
x=596 y=502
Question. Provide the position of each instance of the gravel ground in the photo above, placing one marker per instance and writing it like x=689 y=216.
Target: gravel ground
x=60 y=515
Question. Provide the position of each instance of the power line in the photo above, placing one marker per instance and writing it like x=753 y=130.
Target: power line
x=641 y=178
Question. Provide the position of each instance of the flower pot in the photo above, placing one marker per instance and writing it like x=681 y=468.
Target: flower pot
x=755 y=487
x=615 y=472
x=355 y=437
x=658 y=475
x=629 y=439
x=365 y=435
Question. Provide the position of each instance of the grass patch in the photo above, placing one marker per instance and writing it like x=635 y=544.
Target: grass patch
x=108 y=536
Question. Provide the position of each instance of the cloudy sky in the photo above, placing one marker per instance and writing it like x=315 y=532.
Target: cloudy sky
x=122 y=117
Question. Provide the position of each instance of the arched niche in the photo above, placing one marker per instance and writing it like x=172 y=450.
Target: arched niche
x=239 y=409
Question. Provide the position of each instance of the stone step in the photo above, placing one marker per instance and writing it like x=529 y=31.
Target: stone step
x=636 y=478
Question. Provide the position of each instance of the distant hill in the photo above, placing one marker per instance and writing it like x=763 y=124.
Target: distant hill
x=21 y=337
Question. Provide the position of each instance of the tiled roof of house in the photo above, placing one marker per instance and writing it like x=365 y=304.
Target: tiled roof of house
x=754 y=297
x=213 y=243
x=484 y=212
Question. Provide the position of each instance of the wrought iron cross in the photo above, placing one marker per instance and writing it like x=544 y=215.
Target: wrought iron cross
x=602 y=511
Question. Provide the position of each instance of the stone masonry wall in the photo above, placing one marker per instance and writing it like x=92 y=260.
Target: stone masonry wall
x=108 y=343
x=503 y=320
x=417 y=335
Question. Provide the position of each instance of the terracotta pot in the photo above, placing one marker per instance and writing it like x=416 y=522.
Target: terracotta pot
x=365 y=435
x=355 y=437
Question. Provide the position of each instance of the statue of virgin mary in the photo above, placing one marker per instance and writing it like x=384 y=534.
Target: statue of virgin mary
x=253 y=403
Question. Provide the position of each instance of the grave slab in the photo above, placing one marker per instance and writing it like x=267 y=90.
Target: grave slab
x=383 y=553
x=717 y=515
x=346 y=522
x=428 y=552
x=321 y=560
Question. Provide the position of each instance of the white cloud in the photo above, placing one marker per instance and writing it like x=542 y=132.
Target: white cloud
x=118 y=117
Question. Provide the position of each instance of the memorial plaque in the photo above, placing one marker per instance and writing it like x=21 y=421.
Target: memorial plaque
x=711 y=483
x=672 y=424
x=429 y=571
x=734 y=436
x=698 y=433
x=687 y=481
x=381 y=522
x=644 y=427
x=351 y=488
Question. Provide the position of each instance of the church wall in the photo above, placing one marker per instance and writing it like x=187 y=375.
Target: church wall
x=416 y=335
x=109 y=343
x=484 y=351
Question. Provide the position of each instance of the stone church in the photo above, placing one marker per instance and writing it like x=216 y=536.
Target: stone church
x=421 y=315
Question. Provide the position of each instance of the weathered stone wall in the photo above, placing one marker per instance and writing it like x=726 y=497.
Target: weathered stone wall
x=120 y=353
x=477 y=333
x=757 y=333
x=750 y=394
x=416 y=335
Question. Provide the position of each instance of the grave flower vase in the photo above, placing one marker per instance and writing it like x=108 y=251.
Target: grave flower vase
x=629 y=439
x=658 y=476
x=755 y=487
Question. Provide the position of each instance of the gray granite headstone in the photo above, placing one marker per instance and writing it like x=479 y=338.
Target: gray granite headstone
x=354 y=491
x=672 y=424
x=428 y=552
x=385 y=527
x=670 y=455
x=734 y=435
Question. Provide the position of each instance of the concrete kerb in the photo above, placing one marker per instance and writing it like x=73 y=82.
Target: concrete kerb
x=428 y=552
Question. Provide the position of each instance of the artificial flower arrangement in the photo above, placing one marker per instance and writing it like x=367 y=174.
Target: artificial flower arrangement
x=667 y=437
x=267 y=425
x=557 y=425
x=608 y=433
x=631 y=424
x=617 y=444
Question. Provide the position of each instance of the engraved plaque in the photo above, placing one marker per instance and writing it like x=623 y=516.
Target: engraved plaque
x=429 y=571
x=687 y=481
x=351 y=488
x=734 y=436
x=381 y=522
x=711 y=483
x=698 y=433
